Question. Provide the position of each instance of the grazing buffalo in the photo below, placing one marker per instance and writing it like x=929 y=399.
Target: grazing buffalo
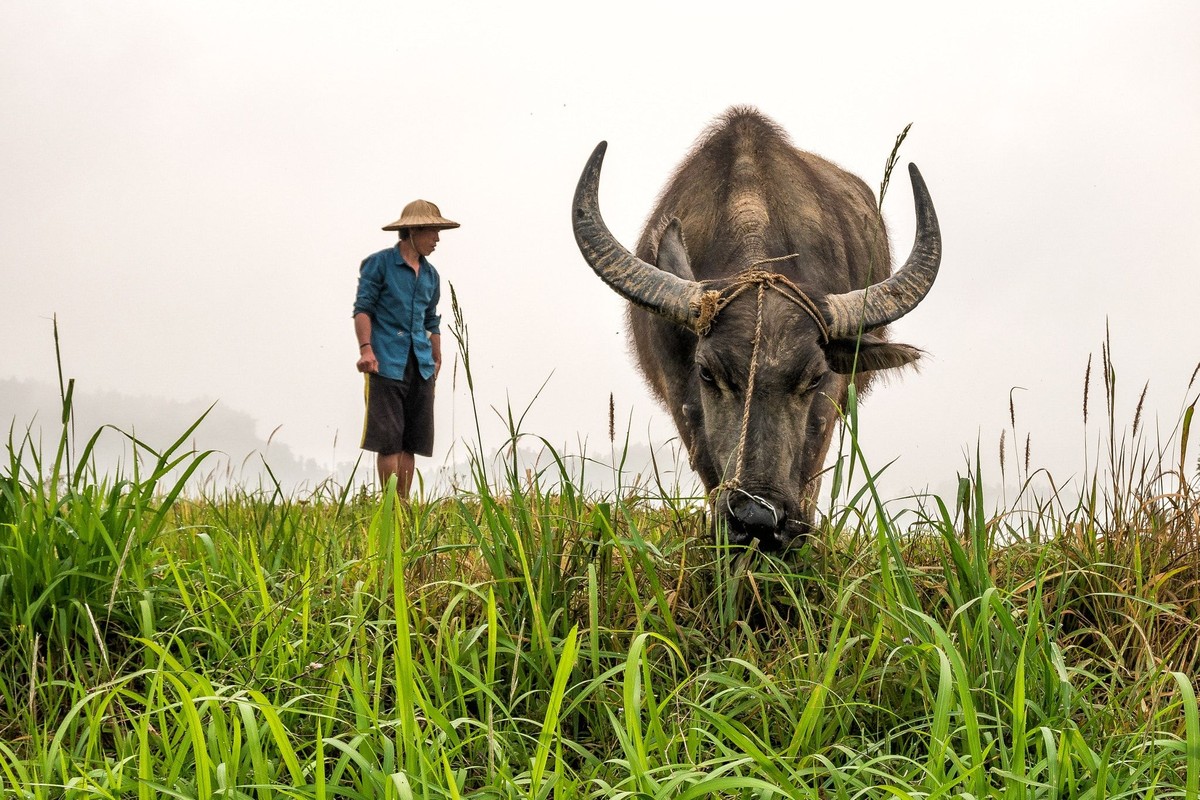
x=760 y=287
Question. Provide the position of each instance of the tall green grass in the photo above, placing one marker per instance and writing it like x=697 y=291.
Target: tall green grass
x=513 y=641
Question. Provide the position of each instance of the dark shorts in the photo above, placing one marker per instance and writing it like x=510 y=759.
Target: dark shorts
x=399 y=413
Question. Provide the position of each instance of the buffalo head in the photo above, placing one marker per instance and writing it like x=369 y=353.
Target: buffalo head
x=752 y=355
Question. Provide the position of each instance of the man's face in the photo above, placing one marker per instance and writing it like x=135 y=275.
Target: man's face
x=424 y=240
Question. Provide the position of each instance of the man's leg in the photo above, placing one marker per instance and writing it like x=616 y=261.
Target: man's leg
x=402 y=465
x=389 y=465
x=404 y=474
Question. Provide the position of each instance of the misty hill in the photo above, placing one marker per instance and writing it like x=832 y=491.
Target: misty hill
x=240 y=452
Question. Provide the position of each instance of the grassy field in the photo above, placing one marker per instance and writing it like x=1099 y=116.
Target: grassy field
x=514 y=641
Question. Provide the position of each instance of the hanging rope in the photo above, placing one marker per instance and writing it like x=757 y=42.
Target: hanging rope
x=713 y=301
x=737 y=473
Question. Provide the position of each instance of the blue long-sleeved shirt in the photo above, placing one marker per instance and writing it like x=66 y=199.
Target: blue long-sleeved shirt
x=402 y=305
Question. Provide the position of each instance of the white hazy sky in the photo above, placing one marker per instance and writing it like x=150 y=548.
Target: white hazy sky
x=190 y=188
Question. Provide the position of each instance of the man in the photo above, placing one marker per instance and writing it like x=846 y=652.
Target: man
x=400 y=342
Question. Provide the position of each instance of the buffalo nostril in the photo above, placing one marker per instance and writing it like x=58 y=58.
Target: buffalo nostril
x=755 y=518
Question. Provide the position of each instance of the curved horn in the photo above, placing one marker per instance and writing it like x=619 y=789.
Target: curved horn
x=889 y=300
x=644 y=284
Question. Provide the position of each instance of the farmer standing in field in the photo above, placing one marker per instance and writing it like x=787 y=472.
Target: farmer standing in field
x=400 y=342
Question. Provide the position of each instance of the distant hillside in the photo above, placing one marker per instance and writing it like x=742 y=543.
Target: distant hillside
x=240 y=452
x=241 y=455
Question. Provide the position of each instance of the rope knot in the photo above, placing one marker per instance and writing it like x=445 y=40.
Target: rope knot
x=755 y=274
x=706 y=309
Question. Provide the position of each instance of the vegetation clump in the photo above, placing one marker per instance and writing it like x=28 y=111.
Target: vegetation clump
x=513 y=640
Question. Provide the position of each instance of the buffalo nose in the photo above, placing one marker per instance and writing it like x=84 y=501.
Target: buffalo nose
x=752 y=517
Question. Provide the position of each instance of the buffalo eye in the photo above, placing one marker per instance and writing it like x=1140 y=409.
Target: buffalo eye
x=706 y=375
x=814 y=384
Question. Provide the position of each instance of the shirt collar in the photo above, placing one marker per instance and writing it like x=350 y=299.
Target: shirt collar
x=398 y=259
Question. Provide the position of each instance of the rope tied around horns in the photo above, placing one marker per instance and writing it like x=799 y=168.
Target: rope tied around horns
x=713 y=301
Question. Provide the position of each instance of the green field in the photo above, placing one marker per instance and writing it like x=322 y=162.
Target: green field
x=526 y=639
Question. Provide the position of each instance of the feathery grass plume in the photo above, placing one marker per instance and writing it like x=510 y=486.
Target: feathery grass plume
x=1137 y=415
x=890 y=165
x=1087 y=385
x=1002 y=433
x=1192 y=380
x=1012 y=421
x=1028 y=440
x=1110 y=373
x=458 y=330
x=612 y=420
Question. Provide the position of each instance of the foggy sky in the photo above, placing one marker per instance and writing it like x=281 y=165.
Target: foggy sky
x=190 y=188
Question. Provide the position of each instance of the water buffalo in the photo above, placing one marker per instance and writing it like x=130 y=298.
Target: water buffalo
x=759 y=288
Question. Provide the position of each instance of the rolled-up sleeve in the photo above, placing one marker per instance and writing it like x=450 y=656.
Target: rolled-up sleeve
x=433 y=320
x=370 y=285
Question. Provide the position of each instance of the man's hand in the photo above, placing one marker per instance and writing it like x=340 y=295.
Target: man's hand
x=367 y=361
x=366 y=355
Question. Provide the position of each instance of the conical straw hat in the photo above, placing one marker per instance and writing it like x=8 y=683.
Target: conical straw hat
x=421 y=214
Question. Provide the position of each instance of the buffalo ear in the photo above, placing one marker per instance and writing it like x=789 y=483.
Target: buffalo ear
x=872 y=354
x=672 y=254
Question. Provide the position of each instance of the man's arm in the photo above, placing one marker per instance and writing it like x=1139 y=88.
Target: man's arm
x=433 y=324
x=366 y=355
x=370 y=285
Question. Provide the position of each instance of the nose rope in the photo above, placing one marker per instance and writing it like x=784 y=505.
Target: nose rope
x=741 y=451
x=711 y=303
